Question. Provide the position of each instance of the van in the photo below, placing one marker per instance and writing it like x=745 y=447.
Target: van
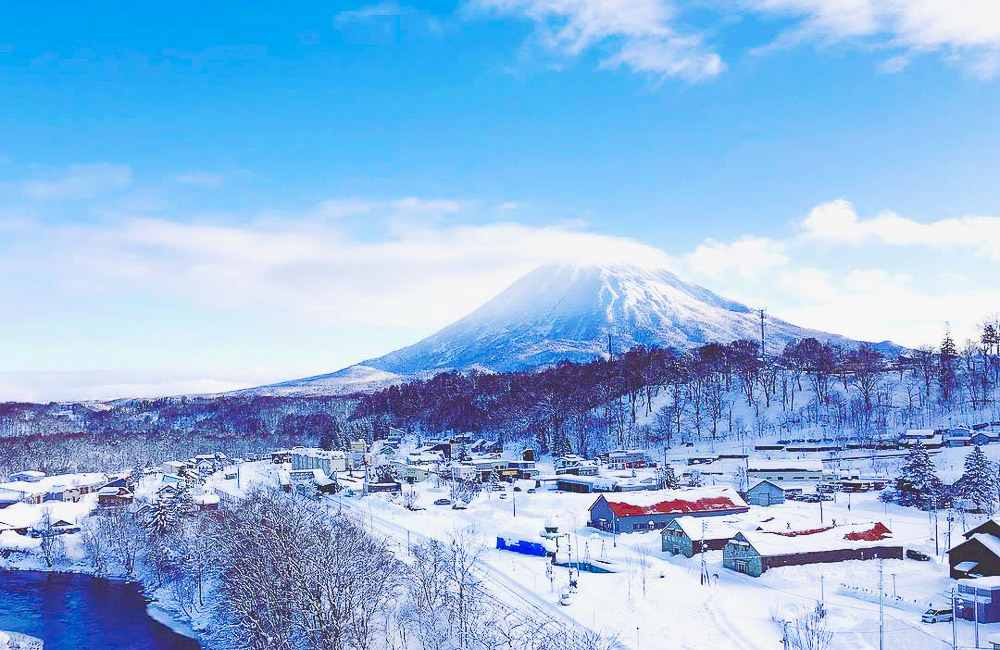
x=934 y=615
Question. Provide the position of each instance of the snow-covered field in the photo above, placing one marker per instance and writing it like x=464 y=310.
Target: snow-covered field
x=656 y=600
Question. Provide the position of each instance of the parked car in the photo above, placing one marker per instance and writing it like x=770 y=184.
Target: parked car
x=917 y=555
x=503 y=495
x=443 y=502
x=531 y=490
x=414 y=507
x=460 y=506
x=517 y=489
x=934 y=615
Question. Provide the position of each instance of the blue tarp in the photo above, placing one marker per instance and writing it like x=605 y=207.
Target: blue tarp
x=521 y=546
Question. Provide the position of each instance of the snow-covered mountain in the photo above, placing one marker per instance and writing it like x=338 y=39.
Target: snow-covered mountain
x=559 y=312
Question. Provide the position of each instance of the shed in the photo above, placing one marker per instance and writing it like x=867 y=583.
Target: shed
x=981 y=593
x=766 y=493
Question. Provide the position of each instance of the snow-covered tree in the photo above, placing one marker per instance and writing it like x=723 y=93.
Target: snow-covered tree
x=918 y=483
x=979 y=482
x=666 y=478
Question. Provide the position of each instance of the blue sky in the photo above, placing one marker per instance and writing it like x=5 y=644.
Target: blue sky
x=213 y=195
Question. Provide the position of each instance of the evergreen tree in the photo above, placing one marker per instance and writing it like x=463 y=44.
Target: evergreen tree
x=979 y=482
x=947 y=374
x=667 y=478
x=163 y=517
x=918 y=484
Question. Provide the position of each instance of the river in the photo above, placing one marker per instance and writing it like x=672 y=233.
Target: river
x=79 y=612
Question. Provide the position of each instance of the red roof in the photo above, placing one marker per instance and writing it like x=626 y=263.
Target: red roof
x=799 y=533
x=877 y=532
x=676 y=507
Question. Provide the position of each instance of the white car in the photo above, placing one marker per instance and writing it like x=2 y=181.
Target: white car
x=933 y=615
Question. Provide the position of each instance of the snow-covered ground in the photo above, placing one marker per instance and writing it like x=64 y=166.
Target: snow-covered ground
x=656 y=600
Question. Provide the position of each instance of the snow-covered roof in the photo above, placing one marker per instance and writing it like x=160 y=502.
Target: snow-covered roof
x=20 y=515
x=692 y=527
x=989 y=541
x=206 y=499
x=791 y=464
x=832 y=538
x=987 y=582
x=669 y=502
x=54 y=483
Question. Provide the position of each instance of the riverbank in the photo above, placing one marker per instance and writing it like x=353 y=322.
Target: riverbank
x=159 y=604
x=18 y=641
x=77 y=611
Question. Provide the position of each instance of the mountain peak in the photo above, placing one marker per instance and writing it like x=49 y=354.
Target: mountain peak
x=566 y=311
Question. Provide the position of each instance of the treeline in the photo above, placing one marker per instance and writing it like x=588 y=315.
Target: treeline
x=652 y=395
x=281 y=572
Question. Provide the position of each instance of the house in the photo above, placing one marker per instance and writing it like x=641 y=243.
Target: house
x=786 y=470
x=656 y=508
x=26 y=477
x=206 y=501
x=172 y=467
x=524 y=468
x=280 y=456
x=585 y=484
x=769 y=493
x=958 y=440
x=979 y=554
x=411 y=474
x=628 y=459
x=114 y=496
x=316 y=478
x=330 y=462
x=573 y=464
x=19 y=519
x=981 y=593
x=936 y=441
x=982 y=438
x=688 y=536
x=755 y=552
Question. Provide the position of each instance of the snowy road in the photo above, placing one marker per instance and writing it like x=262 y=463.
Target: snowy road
x=503 y=587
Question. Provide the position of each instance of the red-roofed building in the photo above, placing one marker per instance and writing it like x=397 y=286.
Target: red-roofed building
x=652 y=510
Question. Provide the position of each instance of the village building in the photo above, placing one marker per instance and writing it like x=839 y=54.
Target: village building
x=688 y=536
x=983 y=438
x=768 y=493
x=330 y=462
x=978 y=593
x=110 y=497
x=656 y=508
x=979 y=554
x=628 y=459
x=786 y=470
x=755 y=552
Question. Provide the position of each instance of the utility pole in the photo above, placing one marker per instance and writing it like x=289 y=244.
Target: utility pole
x=881 y=619
x=762 y=334
x=704 y=566
x=954 y=622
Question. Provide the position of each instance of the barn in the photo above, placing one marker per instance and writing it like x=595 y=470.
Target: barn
x=753 y=553
x=688 y=535
x=768 y=493
x=654 y=509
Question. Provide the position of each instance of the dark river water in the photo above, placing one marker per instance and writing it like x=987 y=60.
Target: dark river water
x=80 y=612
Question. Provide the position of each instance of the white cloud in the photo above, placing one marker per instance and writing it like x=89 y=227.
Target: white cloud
x=748 y=257
x=965 y=32
x=423 y=275
x=369 y=12
x=201 y=179
x=80 y=182
x=642 y=34
x=870 y=279
x=837 y=222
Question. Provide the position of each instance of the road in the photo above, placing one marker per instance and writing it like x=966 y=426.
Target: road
x=502 y=586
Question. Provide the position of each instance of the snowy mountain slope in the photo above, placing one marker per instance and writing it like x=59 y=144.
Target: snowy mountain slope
x=565 y=312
